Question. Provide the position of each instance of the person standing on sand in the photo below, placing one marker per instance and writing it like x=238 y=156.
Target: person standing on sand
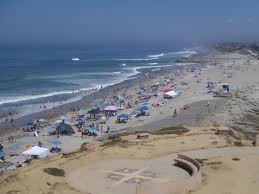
x=108 y=129
x=175 y=113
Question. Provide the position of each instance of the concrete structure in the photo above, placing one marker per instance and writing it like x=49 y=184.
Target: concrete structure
x=180 y=186
x=257 y=140
x=177 y=173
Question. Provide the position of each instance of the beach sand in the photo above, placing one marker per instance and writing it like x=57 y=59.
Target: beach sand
x=237 y=112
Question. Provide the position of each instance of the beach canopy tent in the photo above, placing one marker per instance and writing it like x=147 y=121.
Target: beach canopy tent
x=111 y=108
x=167 y=89
x=123 y=116
x=171 y=94
x=37 y=151
x=64 y=129
x=225 y=87
x=94 y=111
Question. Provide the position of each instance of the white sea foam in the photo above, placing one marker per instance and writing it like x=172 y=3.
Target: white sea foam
x=74 y=75
x=149 y=58
x=152 y=63
x=156 y=56
x=185 y=53
x=134 y=59
x=75 y=59
x=135 y=70
x=103 y=73
x=156 y=69
x=5 y=100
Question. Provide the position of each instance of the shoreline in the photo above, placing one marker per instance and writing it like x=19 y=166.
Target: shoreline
x=89 y=99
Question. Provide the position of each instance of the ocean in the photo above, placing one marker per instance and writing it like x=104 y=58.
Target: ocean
x=32 y=76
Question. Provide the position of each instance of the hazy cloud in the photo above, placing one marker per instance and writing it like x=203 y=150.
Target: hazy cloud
x=250 y=20
x=229 y=21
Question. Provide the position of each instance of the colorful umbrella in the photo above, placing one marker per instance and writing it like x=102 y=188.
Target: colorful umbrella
x=56 y=142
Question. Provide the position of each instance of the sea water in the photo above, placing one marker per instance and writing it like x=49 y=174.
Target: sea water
x=31 y=76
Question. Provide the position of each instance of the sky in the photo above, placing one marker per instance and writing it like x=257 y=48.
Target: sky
x=127 y=22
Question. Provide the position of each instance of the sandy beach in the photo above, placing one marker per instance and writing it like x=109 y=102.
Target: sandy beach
x=217 y=131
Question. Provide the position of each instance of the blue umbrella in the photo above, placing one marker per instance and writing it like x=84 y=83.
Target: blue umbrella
x=30 y=123
x=82 y=119
x=56 y=142
x=143 y=108
x=125 y=116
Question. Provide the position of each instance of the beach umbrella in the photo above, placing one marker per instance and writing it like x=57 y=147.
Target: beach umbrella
x=65 y=129
x=30 y=123
x=82 y=119
x=143 y=108
x=42 y=120
x=111 y=108
x=93 y=111
x=56 y=142
x=58 y=121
